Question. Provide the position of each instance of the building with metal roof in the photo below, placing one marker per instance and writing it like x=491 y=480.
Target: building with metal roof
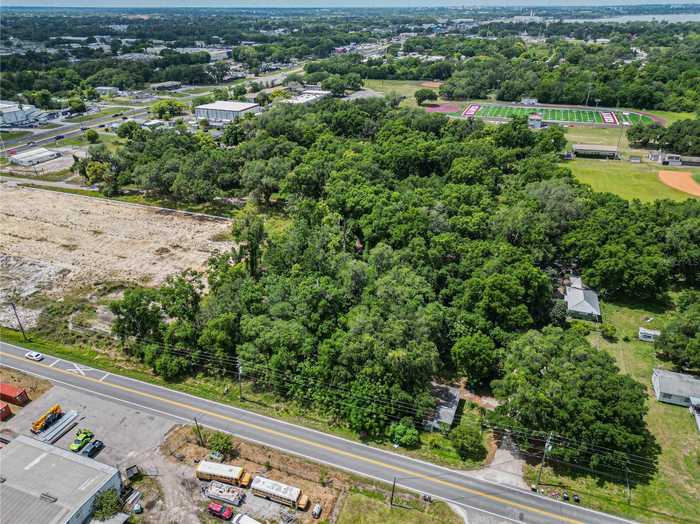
x=447 y=402
x=581 y=301
x=596 y=151
x=675 y=388
x=44 y=484
x=225 y=111
x=14 y=113
x=678 y=388
x=34 y=156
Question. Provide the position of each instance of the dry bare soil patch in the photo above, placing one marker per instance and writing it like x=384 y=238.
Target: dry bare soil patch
x=82 y=241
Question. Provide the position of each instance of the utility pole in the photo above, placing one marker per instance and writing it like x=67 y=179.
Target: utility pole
x=393 y=488
x=627 y=481
x=199 y=433
x=240 y=386
x=547 y=448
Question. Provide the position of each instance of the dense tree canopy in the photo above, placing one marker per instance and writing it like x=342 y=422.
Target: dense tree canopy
x=413 y=246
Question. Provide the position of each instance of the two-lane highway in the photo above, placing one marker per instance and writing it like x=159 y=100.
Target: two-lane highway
x=505 y=504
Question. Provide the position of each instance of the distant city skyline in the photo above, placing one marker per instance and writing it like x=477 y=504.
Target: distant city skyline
x=337 y=3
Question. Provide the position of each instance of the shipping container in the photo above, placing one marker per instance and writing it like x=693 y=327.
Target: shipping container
x=13 y=394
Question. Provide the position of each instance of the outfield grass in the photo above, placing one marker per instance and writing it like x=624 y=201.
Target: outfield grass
x=91 y=116
x=371 y=508
x=625 y=179
x=13 y=135
x=670 y=117
x=675 y=490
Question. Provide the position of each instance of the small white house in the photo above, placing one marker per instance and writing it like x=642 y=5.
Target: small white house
x=582 y=302
x=675 y=388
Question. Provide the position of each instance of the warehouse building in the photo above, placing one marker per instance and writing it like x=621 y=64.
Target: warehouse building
x=14 y=113
x=44 y=484
x=225 y=111
x=170 y=85
x=34 y=156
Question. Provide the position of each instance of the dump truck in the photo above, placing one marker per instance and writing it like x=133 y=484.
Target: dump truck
x=47 y=419
x=223 y=473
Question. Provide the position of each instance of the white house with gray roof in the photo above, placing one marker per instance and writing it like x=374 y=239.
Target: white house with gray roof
x=678 y=388
x=582 y=302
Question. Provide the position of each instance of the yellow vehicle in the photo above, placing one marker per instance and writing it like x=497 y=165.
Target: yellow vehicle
x=223 y=473
x=48 y=418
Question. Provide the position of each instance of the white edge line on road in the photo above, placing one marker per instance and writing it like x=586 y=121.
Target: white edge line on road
x=255 y=441
x=307 y=457
x=354 y=443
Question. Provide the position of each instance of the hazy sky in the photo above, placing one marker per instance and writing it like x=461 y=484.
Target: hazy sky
x=332 y=3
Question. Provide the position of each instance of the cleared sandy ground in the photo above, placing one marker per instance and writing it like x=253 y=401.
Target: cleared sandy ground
x=680 y=180
x=65 y=241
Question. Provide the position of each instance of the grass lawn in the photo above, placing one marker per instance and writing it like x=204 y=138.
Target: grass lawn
x=362 y=507
x=111 y=140
x=91 y=116
x=49 y=125
x=406 y=88
x=625 y=179
x=13 y=135
x=675 y=490
x=671 y=117
x=603 y=136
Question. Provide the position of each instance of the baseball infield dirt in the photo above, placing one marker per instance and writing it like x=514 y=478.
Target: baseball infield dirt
x=680 y=180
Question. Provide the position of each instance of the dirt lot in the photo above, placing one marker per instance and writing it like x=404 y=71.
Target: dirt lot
x=321 y=485
x=34 y=386
x=78 y=241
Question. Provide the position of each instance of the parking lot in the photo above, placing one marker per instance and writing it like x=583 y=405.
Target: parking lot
x=130 y=434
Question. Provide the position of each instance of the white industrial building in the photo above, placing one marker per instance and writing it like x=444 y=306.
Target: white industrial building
x=44 y=484
x=14 y=113
x=107 y=90
x=34 y=156
x=225 y=111
x=307 y=96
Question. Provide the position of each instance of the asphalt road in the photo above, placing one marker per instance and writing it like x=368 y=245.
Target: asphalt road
x=503 y=503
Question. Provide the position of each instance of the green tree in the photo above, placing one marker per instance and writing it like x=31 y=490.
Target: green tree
x=106 y=504
x=92 y=136
x=680 y=338
x=423 y=95
x=138 y=314
x=468 y=441
x=547 y=387
x=475 y=357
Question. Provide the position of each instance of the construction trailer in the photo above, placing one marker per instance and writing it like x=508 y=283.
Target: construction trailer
x=223 y=473
x=278 y=492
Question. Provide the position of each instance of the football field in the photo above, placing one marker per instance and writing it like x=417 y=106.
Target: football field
x=559 y=114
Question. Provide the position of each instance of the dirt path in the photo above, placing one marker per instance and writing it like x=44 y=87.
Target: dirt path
x=680 y=180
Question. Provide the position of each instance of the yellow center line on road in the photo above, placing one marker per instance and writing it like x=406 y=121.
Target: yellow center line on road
x=302 y=440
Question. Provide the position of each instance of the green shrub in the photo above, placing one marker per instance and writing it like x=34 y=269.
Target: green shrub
x=107 y=504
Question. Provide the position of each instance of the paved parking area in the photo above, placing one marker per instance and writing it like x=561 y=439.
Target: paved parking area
x=129 y=433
